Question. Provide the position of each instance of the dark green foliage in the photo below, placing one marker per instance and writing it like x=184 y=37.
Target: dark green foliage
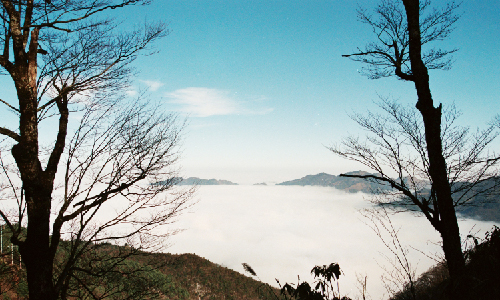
x=328 y=273
x=324 y=289
x=302 y=292
x=12 y=279
x=12 y=275
x=105 y=271
x=483 y=263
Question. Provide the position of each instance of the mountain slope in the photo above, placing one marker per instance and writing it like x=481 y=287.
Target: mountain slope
x=348 y=184
x=149 y=276
x=199 y=181
x=206 y=280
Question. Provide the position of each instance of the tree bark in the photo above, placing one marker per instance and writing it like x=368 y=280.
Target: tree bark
x=35 y=250
x=448 y=226
x=37 y=185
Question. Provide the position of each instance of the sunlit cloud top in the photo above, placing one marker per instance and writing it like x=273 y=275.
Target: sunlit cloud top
x=205 y=102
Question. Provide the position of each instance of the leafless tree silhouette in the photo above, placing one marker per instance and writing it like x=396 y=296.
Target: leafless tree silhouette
x=404 y=30
x=71 y=68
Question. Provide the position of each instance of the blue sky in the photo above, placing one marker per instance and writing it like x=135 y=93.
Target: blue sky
x=265 y=89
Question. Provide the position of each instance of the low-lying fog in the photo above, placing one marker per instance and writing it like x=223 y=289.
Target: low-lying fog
x=284 y=231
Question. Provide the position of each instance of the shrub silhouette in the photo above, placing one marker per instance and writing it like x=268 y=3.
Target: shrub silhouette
x=326 y=288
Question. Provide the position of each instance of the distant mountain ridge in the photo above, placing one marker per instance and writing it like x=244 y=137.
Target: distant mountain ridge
x=199 y=181
x=348 y=184
x=485 y=207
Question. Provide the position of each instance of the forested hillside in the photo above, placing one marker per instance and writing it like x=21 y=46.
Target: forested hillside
x=144 y=276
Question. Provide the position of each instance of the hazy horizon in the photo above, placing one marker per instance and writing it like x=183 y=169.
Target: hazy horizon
x=269 y=177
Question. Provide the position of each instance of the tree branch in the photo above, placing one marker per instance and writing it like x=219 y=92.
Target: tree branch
x=27 y=22
x=10 y=134
x=390 y=58
x=10 y=106
x=101 y=198
x=428 y=212
x=90 y=12
x=58 y=149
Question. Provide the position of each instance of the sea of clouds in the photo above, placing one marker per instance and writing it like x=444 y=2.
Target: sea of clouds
x=284 y=231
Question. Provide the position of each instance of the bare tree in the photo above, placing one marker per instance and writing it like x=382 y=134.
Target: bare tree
x=396 y=148
x=362 y=284
x=389 y=55
x=403 y=31
x=400 y=273
x=64 y=60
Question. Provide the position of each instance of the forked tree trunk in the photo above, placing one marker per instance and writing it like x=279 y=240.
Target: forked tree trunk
x=37 y=186
x=35 y=249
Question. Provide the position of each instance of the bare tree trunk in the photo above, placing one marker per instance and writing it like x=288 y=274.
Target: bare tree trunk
x=448 y=226
x=35 y=250
x=37 y=186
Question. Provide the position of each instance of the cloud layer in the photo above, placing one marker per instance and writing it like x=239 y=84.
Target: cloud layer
x=284 y=231
x=205 y=102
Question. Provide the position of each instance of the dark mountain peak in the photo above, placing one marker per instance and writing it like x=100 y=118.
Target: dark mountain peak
x=359 y=173
x=199 y=181
x=342 y=183
x=321 y=174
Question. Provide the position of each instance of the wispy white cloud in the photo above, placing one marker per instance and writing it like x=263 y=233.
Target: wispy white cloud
x=131 y=93
x=261 y=111
x=152 y=84
x=205 y=102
